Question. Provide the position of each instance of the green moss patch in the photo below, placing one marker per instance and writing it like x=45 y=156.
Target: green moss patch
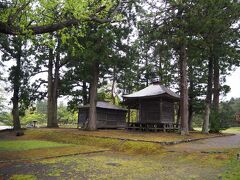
x=23 y=177
x=122 y=166
x=232 y=167
x=20 y=145
x=34 y=149
x=106 y=143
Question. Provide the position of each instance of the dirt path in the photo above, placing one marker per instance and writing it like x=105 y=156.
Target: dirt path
x=226 y=142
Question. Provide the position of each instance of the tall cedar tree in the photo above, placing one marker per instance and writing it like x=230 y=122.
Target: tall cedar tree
x=15 y=48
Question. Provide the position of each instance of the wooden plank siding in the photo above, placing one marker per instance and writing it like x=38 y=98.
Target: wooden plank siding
x=106 y=118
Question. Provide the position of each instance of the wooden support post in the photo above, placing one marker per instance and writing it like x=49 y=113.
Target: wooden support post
x=161 y=110
x=140 y=111
x=129 y=116
x=173 y=112
x=164 y=127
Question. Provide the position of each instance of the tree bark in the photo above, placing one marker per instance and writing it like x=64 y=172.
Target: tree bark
x=84 y=93
x=15 y=98
x=190 y=108
x=92 y=121
x=216 y=90
x=183 y=90
x=50 y=89
x=147 y=70
x=55 y=89
x=208 y=100
x=113 y=86
x=190 y=116
x=53 y=84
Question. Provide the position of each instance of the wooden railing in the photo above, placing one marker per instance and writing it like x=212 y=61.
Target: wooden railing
x=163 y=126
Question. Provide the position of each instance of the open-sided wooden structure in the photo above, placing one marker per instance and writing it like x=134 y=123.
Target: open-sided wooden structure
x=108 y=115
x=155 y=108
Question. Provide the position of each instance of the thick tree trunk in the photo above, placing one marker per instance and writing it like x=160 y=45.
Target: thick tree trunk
x=84 y=93
x=160 y=73
x=208 y=100
x=113 y=86
x=50 y=89
x=15 y=98
x=216 y=90
x=190 y=108
x=183 y=90
x=147 y=71
x=53 y=83
x=190 y=116
x=55 y=90
x=92 y=121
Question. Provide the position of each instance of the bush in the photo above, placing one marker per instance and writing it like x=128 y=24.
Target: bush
x=222 y=120
x=30 y=117
x=214 y=119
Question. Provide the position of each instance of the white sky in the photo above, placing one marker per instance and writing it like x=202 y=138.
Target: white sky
x=233 y=81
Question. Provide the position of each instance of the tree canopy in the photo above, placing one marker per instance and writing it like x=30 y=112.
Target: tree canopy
x=119 y=46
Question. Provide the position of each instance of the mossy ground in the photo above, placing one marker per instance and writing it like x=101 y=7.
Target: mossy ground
x=16 y=145
x=234 y=130
x=125 y=160
x=131 y=135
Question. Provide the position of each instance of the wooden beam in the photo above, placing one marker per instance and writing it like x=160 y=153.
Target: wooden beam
x=161 y=111
x=129 y=115
x=140 y=110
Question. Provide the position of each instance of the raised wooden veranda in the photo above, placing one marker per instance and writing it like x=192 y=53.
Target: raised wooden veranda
x=167 y=126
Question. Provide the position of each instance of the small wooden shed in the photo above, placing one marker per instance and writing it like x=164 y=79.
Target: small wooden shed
x=108 y=115
x=155 y=107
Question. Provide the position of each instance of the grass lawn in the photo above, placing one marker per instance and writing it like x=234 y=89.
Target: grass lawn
x=234 y=130
x=35 y=149
x=231 y=130
x=20 y=145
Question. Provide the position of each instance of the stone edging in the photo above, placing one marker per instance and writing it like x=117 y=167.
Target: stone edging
x=50 y=157
x=159 y=142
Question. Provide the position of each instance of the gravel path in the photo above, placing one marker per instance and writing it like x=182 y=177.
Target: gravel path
x=207 y=144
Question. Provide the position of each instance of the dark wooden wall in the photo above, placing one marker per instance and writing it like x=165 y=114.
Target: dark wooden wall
x=156 y=111
x=106 y=118
x=167 y=111
x=149 y=111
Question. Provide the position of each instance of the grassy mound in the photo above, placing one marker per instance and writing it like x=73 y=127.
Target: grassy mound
x=113 y=144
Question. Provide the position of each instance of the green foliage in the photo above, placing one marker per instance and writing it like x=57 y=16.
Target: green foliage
x=20 y=15
x=65 y=116
x=34 y=116
x=215 y=123
x=197 y=119
x=235 y=104
x=41 y=107
x=104 y=94
x=226 y=114
x=6 y=118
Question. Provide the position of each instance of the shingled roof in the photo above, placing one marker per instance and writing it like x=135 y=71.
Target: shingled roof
x=152 y=91
x=104 y=105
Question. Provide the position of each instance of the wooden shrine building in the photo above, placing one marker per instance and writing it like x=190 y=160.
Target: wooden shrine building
x=108 y=115
x=155 y=108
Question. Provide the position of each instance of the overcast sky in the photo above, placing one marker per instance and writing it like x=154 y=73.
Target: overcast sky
x=234 y=82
